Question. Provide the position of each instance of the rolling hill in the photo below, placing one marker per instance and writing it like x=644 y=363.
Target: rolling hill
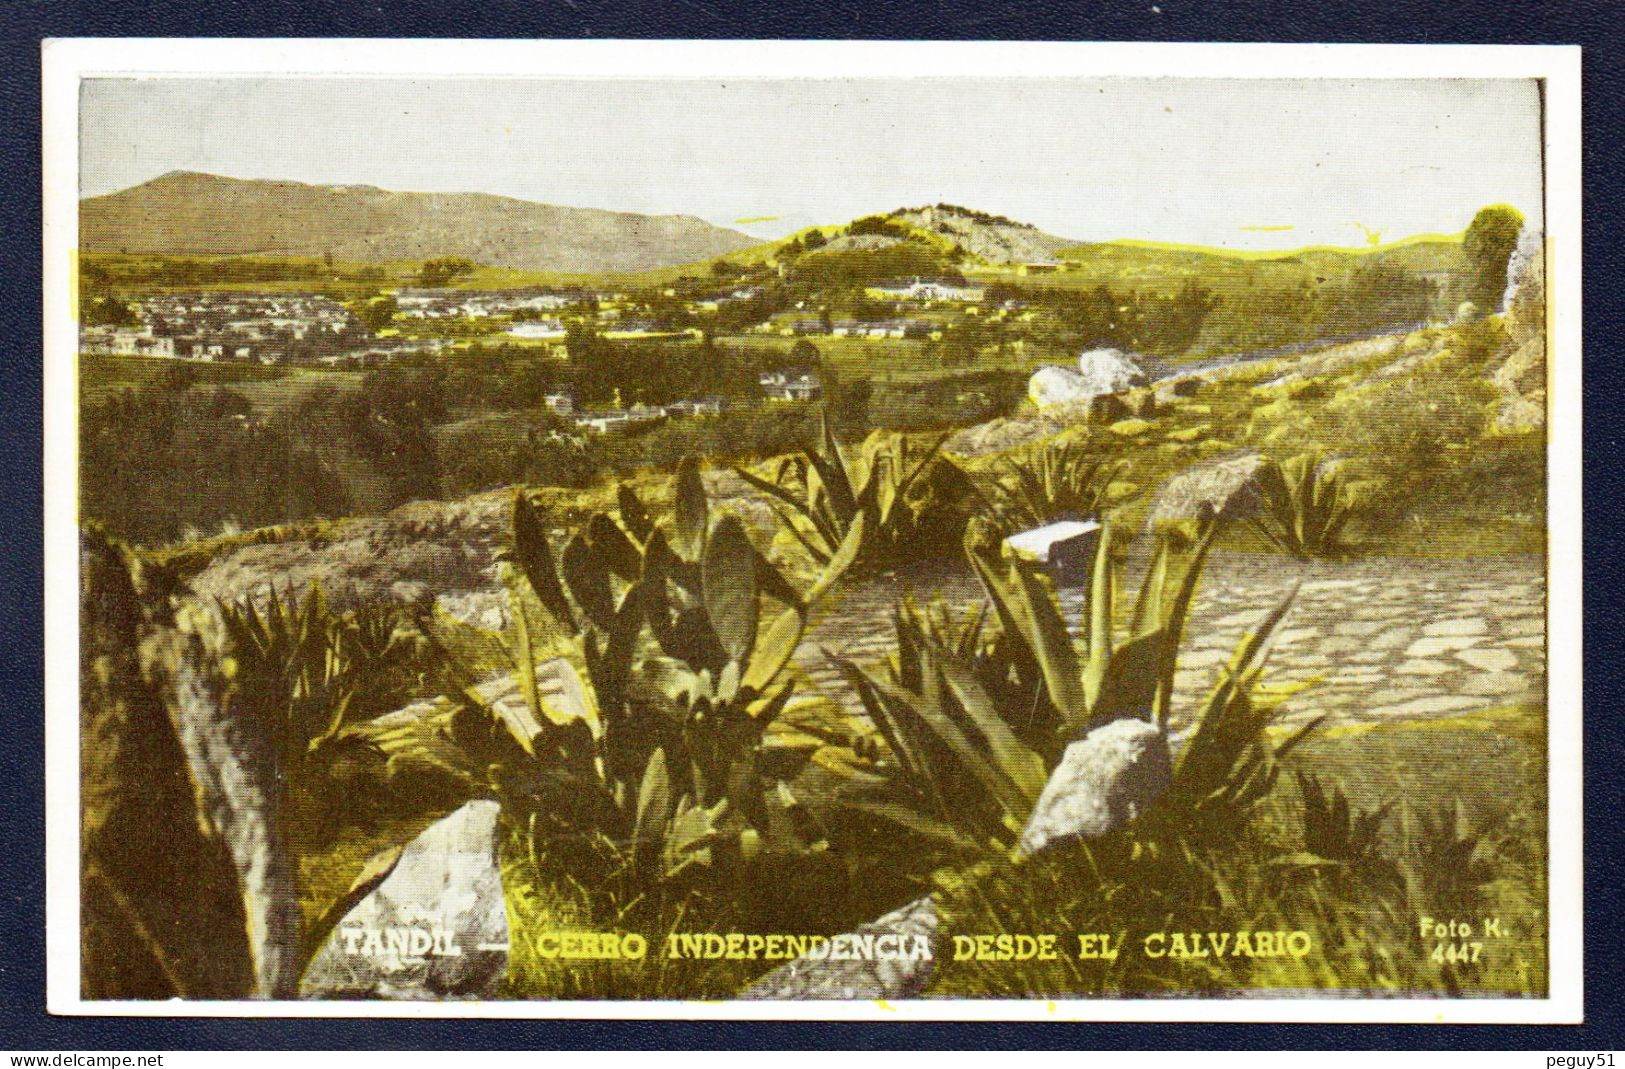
x=992 y=238
x=186 y=212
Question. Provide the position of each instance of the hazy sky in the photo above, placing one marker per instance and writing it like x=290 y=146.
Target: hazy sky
x=1166 y=159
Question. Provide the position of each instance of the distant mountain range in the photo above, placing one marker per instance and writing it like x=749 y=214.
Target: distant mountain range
x=191 y=213
x=186 y=212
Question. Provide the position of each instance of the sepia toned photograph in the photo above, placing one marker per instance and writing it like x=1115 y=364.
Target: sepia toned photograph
x=951 y=531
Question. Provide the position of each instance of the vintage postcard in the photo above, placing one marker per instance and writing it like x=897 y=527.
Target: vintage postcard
x=775 y=529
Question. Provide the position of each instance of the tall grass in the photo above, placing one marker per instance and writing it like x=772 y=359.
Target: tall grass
x=1357 y=872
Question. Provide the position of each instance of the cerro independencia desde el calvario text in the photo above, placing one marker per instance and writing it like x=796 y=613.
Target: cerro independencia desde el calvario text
x=567 y=946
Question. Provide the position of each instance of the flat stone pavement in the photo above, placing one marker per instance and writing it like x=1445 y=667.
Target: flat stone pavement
x=1378 y=639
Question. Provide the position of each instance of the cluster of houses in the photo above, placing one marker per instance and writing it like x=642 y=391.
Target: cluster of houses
x=715 y=303
x=382 y=350
x=306 y=328
x=414 y=303
x=790 y=386
x=776 y=386
x=853 y=328
x=292 y=328
x=620 y=419
x=927 y=290
x=533 y=329
x=125 y=341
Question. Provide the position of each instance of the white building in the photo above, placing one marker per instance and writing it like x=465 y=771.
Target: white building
x=537 y=328
x=928 y=290
x=790 y=386
x=125 y=341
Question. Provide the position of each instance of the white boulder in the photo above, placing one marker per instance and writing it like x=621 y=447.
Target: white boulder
x=1100 y=371
x=1051 y=386
x=435 y=928
x=1110 y=371
x=1105 y=780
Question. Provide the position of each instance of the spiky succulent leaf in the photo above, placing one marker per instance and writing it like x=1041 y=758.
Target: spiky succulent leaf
x=634 y=514
x=776 y=490
x=773 y=649
x=1227 y=759
x=1025 y=608
x=1014 y=761
x=844 y=557
x=836 y=475
x=588 y=578
x=1101 y=595
x=692 y=511
x=729 y=581
x=535 y=559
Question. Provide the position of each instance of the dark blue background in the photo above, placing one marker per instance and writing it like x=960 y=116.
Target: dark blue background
x=1594 y=24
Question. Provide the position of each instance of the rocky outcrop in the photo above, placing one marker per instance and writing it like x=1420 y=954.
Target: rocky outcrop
x=1002 y=434
x=986 y=237
x=1171 y=390
x=436 y=928
x=420 y=550
x=162 y=911
x=1223 y=486
x=1051 y=386
x=859 y=243
x=1521 y=377
x=1111 y=370
x=1525 y=267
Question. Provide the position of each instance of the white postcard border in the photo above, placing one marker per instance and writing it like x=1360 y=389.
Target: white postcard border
x=67 y=61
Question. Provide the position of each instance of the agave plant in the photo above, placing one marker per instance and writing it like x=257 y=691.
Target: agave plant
x=1109 y=678
x=974 y=723
x=977 y=717
x=1451 y=859
x=1305 y=503
x=955 y=770
x=317 y=676
x=904 y=498
x=1229 y=761
x=320 y=672
x=657 y=765
x=1333 y=827
x=1063 y=480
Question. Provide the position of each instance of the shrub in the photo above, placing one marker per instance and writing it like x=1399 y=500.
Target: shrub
x=1407 y=428
x=1452 y=859
x=1148 y=878
x=1333 y=827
